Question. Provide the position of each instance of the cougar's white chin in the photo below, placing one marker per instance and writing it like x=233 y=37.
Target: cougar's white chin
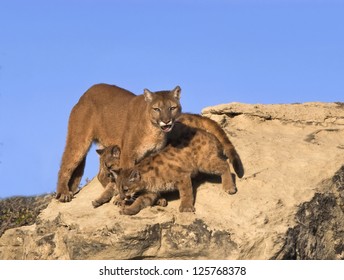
x=166 y=127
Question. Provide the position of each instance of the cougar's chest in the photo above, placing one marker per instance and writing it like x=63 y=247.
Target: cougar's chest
x=150 y=145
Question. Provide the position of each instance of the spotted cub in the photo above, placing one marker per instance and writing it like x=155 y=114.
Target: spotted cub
x=188 y=152
x=109 y=162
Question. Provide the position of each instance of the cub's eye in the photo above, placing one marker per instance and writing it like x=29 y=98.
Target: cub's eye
x=156 y=109
x=125 y=189
x=173 y=108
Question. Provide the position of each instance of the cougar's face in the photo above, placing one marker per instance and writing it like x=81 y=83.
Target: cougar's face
x=164 y=108
x=129 y=183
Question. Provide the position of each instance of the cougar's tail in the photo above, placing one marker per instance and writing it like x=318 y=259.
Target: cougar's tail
x=210 y=126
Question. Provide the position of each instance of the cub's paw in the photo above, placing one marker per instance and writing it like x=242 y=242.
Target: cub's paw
x=187 y=208
x=161 y=202
x=125 y=210
x=119 y=202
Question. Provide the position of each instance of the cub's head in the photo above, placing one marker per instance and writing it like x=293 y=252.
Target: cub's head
x=129 y=183
x=109 y=159
x=163 y=107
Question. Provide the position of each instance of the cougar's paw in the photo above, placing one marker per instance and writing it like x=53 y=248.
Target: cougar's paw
x=161 y=202
x=96 y=203
x=64 y=197
x=232 y=190
x=188 y=208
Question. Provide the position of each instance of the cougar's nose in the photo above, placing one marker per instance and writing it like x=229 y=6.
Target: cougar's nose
x=165 y=122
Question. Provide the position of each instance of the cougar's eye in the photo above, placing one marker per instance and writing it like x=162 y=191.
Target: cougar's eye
x=156 y=109
x=173 y=108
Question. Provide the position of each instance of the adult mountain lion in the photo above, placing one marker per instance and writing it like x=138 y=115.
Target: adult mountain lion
x=139 y=124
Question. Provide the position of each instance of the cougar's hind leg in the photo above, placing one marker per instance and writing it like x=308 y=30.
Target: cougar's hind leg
x=71 y=170
x=79 y=140
x=186 y=195
x=227 y=182
x=224 y=170
x=220 y=166
x=76 y=177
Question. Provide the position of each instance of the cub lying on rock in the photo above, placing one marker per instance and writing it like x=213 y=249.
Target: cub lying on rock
x=189 y=151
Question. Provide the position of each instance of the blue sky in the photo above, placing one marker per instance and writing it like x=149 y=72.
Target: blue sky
x=52 y=51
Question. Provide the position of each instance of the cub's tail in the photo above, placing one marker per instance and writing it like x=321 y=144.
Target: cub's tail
x=210 y=126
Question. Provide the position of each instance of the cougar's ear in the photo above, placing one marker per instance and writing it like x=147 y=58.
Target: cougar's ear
x=148 y=95
x=176 y=92
x=100 y=151
x=116 y=151
x=134 y=175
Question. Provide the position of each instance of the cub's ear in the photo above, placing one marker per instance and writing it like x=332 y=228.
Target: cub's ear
x=116 y=151
x=176 y=92
x=148 y=95
x=134 y=176
x=100 y=151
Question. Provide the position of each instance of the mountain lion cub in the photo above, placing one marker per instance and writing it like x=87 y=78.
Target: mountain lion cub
x=189 y=151
x=109 y=158
x=108 y=167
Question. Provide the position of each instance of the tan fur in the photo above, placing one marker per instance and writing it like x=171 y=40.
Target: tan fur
x=109 y=159
x=189 y=151
x=111 y=115
x=198 y=121
x=109 y=164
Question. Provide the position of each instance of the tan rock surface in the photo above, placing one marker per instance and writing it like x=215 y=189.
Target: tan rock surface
x=289 y=152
